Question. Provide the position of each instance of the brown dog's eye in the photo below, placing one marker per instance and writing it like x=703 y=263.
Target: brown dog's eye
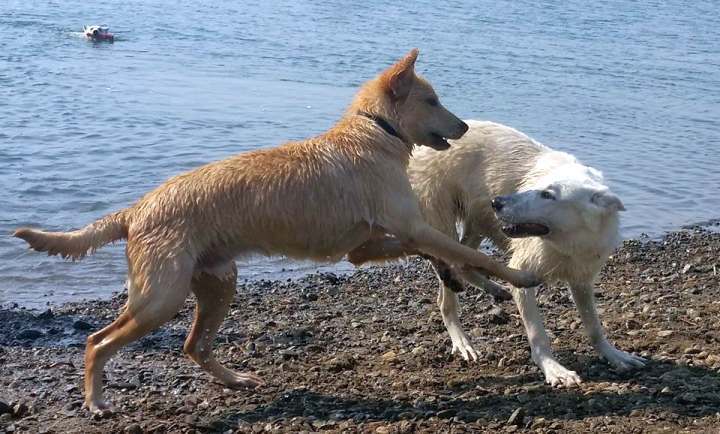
x=432 y=101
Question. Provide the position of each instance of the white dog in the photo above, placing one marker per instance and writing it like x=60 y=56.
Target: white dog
x=554 y=215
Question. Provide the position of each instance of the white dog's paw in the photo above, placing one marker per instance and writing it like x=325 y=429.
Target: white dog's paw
x=622 y=360
x=557 y=375
x=461 y=344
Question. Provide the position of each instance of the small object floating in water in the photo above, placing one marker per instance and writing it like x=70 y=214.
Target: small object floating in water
x=98 y=33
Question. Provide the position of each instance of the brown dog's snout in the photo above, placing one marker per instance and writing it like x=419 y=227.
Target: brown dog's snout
x=463 y=127
x=459 y=130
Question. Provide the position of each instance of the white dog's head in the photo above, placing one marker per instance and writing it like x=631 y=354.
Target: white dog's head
x=570 y=208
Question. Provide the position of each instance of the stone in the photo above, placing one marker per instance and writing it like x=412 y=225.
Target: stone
x=517 y=417
x=133 y=428
x=389 y=356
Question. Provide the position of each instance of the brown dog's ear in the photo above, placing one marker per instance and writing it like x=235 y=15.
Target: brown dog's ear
x=398 y=79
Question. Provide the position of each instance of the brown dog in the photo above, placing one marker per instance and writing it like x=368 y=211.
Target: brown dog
x=317 y=199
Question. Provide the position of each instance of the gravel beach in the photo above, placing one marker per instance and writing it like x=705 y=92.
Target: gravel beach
x=368 y=352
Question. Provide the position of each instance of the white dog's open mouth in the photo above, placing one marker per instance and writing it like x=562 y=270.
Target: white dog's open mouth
x=521 y=230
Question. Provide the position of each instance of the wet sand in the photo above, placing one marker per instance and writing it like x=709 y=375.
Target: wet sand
x=369 y=353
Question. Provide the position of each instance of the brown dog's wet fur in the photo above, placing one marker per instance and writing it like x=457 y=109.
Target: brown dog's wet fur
x=316 y=199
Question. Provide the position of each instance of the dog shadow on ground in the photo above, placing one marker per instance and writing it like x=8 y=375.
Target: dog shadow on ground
x=665 y=389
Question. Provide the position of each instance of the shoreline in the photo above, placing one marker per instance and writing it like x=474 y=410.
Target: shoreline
x=368 y=352
x=298 y=270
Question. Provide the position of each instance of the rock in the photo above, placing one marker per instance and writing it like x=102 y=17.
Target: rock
x=82 y=325
x=20 y=409
x=133 y=429
x=418 y=351
x=498 y=316
x=5 y=408
x=688 y=398
x=71 y=388
x=341 y=363
x=687 y=268
x=29 y=334
x=390 y=356
x=47 y=314
x=517 y=417
x=666 y=391
x=664 y=333
x=447 y=413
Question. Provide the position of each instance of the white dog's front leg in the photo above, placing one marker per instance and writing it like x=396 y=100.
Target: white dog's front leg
x=585 y=302
x=555 y=373
x=448 y=303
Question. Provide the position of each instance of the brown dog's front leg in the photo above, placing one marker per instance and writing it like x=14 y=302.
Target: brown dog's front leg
x=433 y=242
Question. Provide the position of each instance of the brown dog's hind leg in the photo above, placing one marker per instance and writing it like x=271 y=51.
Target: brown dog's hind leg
x=164 y=290
x=214 y=293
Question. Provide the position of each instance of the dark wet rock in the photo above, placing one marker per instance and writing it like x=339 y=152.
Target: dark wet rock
x=29 y=334
x=5 y=408
x=447 y=413
x=47 y=314
x=82 y=325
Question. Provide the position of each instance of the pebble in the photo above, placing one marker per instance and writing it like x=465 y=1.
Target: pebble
x=133 y=429
x=20 y=409
x=389 y=356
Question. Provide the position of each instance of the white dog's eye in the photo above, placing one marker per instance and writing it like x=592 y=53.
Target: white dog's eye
x=546 y=194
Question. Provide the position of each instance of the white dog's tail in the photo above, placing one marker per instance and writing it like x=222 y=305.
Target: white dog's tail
x=77 y=244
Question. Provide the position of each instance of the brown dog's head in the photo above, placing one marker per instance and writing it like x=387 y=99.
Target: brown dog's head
x=409 y=103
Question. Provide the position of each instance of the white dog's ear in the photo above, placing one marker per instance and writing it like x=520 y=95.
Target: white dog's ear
x=607 y=200
x=399 y=78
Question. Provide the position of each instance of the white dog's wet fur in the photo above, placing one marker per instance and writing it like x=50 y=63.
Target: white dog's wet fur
x=554 y=215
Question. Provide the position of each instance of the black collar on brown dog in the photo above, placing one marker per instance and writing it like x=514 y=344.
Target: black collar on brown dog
x=385 y=125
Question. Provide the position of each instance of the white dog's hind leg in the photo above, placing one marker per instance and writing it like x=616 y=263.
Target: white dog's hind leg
x=448 y=303
x=585 y=302
x=555 y=373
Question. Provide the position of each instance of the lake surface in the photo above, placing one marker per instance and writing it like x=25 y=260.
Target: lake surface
x=632 y=88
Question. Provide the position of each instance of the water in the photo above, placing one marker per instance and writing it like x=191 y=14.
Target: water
x=632 y=88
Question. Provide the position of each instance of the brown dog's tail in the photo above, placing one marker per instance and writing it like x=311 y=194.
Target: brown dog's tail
x=77 y=244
